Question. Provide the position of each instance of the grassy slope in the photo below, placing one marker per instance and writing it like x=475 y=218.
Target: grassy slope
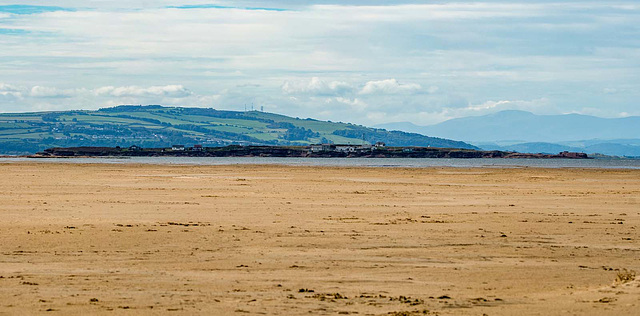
x=155 y=126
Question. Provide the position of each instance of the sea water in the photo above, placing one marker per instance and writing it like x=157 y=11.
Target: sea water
x=352 y=162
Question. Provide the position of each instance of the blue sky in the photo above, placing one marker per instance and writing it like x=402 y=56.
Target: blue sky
x=366 y=62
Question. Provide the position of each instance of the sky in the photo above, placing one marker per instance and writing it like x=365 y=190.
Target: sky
x=366 y=62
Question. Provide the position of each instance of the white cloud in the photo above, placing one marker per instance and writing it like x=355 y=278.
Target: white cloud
x=538 y=106
x=488 y=105
x=171 y=91
x=8 y=90
x=10 y=93
x=355 y=104
x=49 y=92
x=8 y=87
x=610 y=90
x=390 y=86
x=316 y=86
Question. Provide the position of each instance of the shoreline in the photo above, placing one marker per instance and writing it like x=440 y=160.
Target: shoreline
x=284 y=165
x=417 y=163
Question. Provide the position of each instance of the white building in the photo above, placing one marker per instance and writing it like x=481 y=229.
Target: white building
x=346 y=148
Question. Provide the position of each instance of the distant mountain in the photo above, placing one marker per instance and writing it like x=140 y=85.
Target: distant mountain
x=158 y=126
x=526 y=132
x=528 y=127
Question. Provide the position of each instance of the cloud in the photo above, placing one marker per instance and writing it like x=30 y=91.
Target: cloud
x=356 y=104
x=456 y=58
x=49 y=92
x=171 y=91
x=390 y=86
x=8 y=90
x=8 y=87
x=539 y=106
x=316 y=86
x=16 y=98
x=44 y=92
x=610 y=90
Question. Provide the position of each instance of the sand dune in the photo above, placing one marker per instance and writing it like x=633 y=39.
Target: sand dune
x=278 y=240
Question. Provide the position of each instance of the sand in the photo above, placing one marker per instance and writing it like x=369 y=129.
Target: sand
x=79 y=239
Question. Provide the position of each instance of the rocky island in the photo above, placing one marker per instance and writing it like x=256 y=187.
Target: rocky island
x=379 y=150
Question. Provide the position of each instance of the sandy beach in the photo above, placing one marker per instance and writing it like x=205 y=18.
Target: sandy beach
x=79 y=239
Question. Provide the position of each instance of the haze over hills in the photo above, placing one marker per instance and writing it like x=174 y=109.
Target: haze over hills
x=526 y=132
x=158 y=126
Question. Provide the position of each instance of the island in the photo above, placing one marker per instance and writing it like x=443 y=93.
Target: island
x=378 y=150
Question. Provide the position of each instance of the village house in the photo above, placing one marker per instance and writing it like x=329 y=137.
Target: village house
x=346 y=148
x=177 y=147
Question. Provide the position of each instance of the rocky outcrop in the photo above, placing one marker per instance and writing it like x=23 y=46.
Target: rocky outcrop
x=563 y=155
x=295 y=151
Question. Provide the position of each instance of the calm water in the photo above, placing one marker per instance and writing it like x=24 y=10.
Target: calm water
x=356 y=162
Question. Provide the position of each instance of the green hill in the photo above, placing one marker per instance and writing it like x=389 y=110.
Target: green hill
x=158 y=126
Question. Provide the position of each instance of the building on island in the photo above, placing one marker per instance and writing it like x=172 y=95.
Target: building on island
x=321 y=147
x=345 y=148
x=177 y=147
